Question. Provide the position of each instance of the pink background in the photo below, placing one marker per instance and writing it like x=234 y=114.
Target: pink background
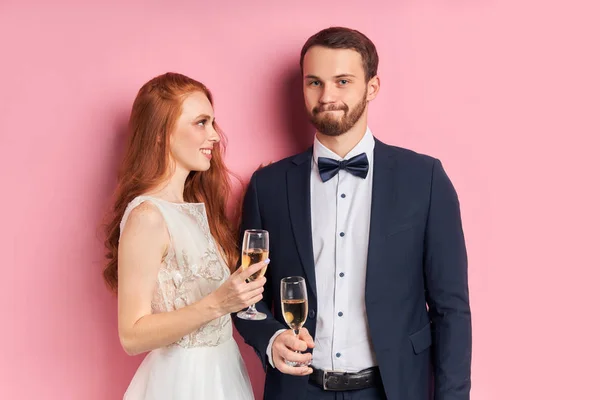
x=506 y=93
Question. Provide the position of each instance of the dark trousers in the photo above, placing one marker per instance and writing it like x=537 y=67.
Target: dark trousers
x=316 y=393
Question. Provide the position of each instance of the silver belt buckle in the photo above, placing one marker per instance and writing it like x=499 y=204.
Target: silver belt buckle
x=325 y=374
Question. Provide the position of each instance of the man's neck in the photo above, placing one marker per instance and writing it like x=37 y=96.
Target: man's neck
x=342 y=144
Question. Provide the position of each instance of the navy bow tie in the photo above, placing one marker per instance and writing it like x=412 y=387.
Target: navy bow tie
x=357 y=165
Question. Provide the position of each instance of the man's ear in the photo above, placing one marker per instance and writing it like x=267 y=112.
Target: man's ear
x=373 y=87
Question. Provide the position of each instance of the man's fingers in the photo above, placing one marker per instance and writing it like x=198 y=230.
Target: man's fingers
x=290 y=355
x=294 y=343
x=305 y=337
x=287 y=369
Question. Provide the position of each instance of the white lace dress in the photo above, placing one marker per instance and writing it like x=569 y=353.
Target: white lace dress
x=205 y=364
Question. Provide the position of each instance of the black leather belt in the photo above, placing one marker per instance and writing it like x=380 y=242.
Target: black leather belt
x=338 y=381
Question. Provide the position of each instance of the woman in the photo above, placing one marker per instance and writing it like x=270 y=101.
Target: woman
x=171 y=251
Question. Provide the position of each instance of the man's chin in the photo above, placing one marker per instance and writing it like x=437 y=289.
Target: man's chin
x=329 y=130
x=329 y=125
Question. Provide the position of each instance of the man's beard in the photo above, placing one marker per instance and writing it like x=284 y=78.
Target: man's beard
x=331 y=126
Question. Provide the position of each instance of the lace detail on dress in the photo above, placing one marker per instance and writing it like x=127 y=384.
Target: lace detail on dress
x=191 y=269
x=212 y=265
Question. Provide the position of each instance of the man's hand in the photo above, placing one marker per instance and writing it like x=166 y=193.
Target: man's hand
x=285 y=347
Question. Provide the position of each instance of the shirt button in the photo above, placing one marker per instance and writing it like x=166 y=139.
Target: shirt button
x=340 y=314
x=338 y=355
x=343 y=195
x=342 y=234
x=311 y=314
x=342 y=274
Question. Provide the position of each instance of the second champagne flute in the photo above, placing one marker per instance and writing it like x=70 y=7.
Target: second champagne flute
x=294 y=305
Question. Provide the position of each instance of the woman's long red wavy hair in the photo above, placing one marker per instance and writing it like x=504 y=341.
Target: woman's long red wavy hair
x=146 y=164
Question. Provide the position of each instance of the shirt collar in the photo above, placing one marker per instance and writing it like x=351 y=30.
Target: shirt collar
x=366 y=145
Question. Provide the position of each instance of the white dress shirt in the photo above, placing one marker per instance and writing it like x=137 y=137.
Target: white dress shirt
x=341 y=216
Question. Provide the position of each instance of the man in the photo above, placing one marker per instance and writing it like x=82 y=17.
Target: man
x=376 y=232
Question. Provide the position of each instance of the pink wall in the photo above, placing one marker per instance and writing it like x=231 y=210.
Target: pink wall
x=506 y=93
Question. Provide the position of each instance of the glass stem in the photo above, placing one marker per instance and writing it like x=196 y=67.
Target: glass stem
x=296 y=333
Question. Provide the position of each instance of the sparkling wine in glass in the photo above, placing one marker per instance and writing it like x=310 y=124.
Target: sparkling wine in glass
x=255 y=248
x=294 y=305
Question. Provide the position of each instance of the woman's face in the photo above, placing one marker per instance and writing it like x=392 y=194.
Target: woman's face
x=193 y=139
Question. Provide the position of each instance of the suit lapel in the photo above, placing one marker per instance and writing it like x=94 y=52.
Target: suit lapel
x=383 y=201
x=298 y=191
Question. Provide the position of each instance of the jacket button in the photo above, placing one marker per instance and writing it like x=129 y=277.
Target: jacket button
x=311 y=314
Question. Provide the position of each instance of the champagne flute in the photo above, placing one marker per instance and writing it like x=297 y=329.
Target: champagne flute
x=294 y=306
x=255 y=248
